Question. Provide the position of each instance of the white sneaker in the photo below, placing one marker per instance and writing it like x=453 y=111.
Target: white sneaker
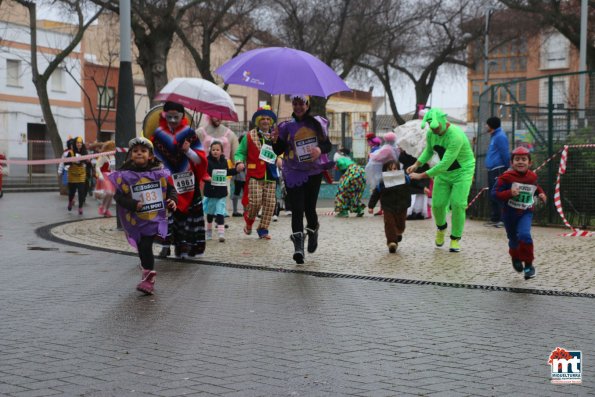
x=275 y=218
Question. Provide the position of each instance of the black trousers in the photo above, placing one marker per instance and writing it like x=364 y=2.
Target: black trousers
x=81 y=188
x=145 y=252
x=302 y=200
x=493 y=175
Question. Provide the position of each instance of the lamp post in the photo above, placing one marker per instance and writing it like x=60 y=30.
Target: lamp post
x=486 y=50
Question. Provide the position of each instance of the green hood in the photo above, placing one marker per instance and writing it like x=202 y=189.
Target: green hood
x=435 y=117
x=343 y=163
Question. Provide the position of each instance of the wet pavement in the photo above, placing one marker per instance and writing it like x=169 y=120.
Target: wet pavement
x=73 y=325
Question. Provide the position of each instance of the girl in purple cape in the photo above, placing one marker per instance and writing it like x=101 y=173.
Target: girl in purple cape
x=142 y=193
x=304 y=143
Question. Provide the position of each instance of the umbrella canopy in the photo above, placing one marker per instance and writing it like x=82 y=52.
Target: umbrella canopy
x=199 y=95
x=281 y=70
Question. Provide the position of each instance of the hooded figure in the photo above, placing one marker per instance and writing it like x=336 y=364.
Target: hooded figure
x=453 y=174
x=351 y=188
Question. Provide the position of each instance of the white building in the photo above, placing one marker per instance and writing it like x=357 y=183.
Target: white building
x=23 y=132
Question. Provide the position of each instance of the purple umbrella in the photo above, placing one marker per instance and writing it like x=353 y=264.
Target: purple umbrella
x=281 y=70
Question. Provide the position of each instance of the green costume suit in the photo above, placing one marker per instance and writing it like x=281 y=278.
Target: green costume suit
x=453 y=175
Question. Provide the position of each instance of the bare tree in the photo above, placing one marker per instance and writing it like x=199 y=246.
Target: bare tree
x=41 y=78
x=105 y=100
x=564 y=16
x=338 y=32
x=213 y=19
x=154 y=23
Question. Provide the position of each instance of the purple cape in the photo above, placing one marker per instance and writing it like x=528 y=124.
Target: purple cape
x=152 y=221
x=297 y=167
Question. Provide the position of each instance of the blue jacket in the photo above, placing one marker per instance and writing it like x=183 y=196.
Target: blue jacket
x=498 y=153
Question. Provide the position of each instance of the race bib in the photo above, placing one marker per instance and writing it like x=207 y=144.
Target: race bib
x=219 y=178
x=525 y=198
x=183 y=181
x=393 y=178
x=150 y=195
x=267 y=154
x=303 y=148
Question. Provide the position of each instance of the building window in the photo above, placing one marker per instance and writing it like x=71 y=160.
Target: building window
x=554 y=51
x=13 y=72
x=106 y=97
x=522 y=91
x=559 y=93
x=58 y=79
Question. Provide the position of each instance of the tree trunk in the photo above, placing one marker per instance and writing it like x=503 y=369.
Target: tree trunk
x=422 y=93
x=48 y=116
x=318 y=106
x=152 y=58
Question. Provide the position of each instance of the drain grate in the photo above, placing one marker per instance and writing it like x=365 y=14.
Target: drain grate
x=45 y=233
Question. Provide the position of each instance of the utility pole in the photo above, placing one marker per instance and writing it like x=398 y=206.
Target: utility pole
x=582 y=63
x=125 y=110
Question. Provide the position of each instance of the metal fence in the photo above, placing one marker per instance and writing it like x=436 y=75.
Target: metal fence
x=543 y=114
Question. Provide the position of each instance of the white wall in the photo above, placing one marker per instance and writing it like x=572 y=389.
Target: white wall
x=16 y=114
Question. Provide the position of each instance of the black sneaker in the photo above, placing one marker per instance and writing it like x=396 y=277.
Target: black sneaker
x=236 y=214
x=517 y=264
x=529 y=271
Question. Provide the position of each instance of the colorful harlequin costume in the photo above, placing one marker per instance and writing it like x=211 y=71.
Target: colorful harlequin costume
x=517 y=211
x=146 y=184
x=351 y=188
x=257 y=153
x=187 y=226
x=452 y=175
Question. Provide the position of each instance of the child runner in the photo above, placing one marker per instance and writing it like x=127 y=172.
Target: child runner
x=215 y=190
x=516 y=189
x=77 y=175
x=142 y=194
x=105 y=164
x=395 y=198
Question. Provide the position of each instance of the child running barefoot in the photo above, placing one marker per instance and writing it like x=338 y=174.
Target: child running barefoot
x=215 y=191
x=395 y=198
x=516 y=189
x=142 y=194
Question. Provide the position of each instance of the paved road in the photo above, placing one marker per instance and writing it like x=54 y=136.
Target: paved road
x=73 y=325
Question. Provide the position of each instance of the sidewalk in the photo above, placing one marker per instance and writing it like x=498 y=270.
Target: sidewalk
x=356 y=246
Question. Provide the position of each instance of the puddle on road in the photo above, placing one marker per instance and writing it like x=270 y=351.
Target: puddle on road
x=33 y=248
x=75 y=253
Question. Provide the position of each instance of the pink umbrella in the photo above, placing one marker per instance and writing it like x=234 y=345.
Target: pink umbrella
x=281 y=70
x=201 y=96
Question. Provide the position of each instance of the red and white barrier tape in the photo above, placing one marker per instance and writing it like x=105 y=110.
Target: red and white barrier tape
x=25 y=141
x=548 y=160
x=476 y=197
x=57 y=161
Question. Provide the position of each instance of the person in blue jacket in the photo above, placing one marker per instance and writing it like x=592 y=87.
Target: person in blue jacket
x=497 y=162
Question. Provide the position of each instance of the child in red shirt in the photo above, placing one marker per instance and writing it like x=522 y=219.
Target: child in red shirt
x=516 y=188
